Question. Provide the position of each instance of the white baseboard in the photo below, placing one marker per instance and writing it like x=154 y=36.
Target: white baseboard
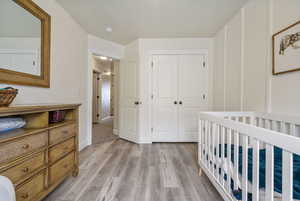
x=116 y=132
x=145 y=142
x=83 y=144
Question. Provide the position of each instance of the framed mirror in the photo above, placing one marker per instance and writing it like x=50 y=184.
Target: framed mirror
x=24 y=43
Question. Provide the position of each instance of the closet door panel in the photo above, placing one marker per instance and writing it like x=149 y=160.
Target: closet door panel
x=192 y=94
x=165 y=117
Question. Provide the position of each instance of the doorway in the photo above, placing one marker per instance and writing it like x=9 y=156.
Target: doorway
x=105 y=99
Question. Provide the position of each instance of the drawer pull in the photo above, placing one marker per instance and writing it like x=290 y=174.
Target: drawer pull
x=65 y=132
x=66 y=166
x=25 y=170
x=25 y=146
x=25 y=196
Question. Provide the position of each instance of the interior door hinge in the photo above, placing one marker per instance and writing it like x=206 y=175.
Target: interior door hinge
x=152 y=129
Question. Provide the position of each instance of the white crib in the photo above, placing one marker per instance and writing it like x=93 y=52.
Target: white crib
x=245 y=131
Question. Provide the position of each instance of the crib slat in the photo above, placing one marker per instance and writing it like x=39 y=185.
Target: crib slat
x=222 y=153
x=213 y=146
x=201 y=141
x=283 y=128
x=293 y=130
x=236 y=160
x=269 y=173
x=207 y=144
x=255 y=187
x=245 y=169
x=287 y=176
x=228 y=131
x=217 y=151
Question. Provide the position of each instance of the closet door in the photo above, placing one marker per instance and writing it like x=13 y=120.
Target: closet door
x=129 y=101
x=192 y=94
x=165 y=102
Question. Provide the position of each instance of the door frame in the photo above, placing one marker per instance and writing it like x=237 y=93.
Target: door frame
x=99 y=95
x=153 y=53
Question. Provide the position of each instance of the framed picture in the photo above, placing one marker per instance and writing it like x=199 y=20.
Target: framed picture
x=286 y=50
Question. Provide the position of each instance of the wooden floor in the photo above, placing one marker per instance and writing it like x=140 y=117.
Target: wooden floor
x=103 y=131
x=122 y=171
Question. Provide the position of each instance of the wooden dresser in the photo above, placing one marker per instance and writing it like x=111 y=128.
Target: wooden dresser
x=41 y=155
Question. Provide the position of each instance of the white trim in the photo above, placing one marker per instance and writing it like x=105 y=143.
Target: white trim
x=83 y=144
x=269 y=59
x=242 y=57
x=20 y=51
x=89 y=119
x=178 y=52
x=225 y=63
x=116 y=132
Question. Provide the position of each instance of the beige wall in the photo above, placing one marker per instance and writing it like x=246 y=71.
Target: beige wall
x=68 y=66
x=247 y=40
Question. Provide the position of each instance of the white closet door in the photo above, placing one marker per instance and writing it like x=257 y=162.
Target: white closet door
x=165 y=115
x=192 y=94
x=128 y=99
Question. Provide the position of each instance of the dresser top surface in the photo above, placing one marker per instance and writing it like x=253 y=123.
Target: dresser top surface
x=15 y=109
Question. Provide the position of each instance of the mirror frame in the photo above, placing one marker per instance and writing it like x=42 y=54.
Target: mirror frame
x=19 y=78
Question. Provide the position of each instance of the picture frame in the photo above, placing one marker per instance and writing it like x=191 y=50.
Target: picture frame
x=286 y=50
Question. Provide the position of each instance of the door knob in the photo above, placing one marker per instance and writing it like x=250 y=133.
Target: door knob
x=175 y=102
x=180 y=102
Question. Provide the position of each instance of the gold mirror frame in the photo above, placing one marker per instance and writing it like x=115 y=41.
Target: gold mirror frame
x=19 y=78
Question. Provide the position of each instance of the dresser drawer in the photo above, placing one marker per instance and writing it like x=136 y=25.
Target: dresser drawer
x=61 y=149
x=25 y=168
x=61 y=133
x=61 y=168
x=22 y=146
x=31 y=189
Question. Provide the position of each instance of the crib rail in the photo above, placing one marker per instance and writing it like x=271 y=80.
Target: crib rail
x=222 y=138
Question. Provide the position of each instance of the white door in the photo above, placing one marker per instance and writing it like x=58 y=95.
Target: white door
x=129 y=100
x=179 y=94
x=192 y=94
x=164 y=105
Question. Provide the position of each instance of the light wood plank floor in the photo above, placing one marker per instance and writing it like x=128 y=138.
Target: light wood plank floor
x=122 y=171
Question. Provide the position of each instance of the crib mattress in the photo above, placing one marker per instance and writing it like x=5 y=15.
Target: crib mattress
x=262 y=162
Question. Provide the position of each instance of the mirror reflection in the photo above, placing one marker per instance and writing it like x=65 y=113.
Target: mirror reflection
x=20 y=39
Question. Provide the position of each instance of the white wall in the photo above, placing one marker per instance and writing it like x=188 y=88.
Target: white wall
x=249 y=43
x=68 y=66
x=106 y=48
x=105 y=96
x=284 y=95
x=148 y=45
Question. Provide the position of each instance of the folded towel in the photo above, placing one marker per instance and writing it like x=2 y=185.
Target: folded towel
x=7 y=124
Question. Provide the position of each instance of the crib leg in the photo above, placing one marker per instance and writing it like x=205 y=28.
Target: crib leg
x=200 y=172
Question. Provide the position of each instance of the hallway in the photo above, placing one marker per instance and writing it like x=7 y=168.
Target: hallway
x=103 y=131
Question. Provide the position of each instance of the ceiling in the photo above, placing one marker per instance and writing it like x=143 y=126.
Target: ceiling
x=132 y=19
